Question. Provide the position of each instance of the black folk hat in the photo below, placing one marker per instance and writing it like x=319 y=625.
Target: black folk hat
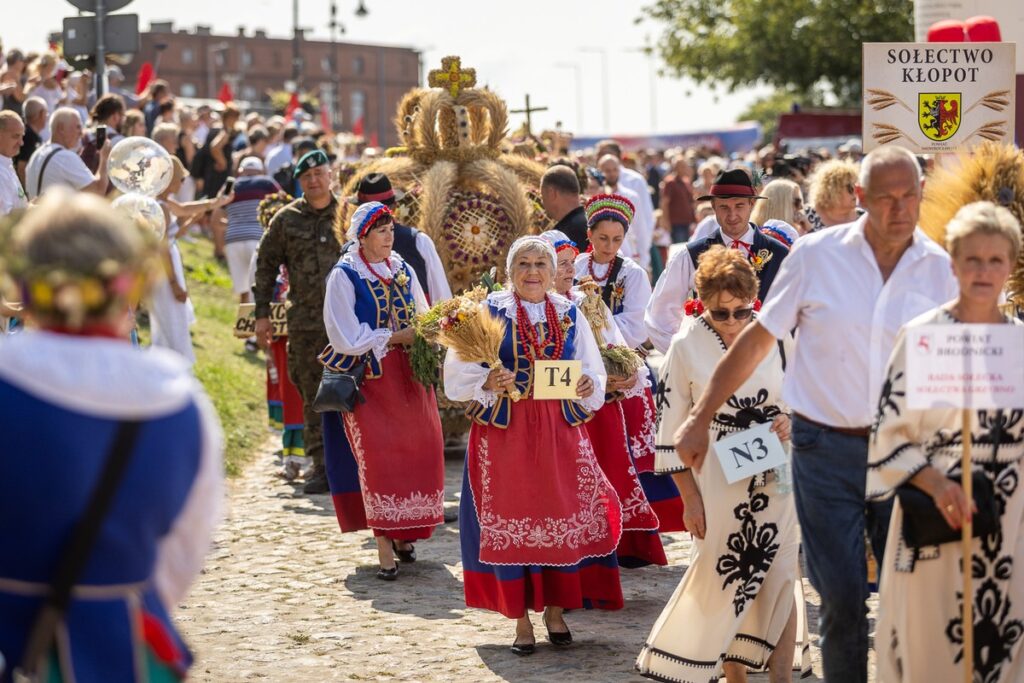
x=731 y=184
x=375 y=187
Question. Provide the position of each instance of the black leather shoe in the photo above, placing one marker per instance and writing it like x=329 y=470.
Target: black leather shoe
x=451 y=515
x=523 y=649
x=559 y=639
x=388 y=574
x=316 y=482
x=406 y=556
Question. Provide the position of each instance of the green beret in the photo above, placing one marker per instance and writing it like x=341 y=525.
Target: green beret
x=310 y=160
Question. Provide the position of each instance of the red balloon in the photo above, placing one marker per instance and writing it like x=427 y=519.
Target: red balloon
x=983 y=30
x=946 y=31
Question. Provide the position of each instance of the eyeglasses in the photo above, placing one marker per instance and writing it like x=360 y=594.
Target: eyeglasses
x=720 y=315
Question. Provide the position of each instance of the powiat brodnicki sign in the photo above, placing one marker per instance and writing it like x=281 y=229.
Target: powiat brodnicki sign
x=938 y=97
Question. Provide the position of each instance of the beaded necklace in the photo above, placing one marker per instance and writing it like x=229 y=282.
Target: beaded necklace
x=590 y=267
x=386 y=281
x=533 y=346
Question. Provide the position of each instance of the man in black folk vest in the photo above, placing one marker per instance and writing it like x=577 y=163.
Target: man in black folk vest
x=415 y=247
x=732 y=197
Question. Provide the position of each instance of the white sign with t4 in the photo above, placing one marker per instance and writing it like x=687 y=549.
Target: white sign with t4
x=556 y=379
x=750 y=452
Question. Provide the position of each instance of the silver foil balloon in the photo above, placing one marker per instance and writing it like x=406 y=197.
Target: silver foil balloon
x=144 y=210
x=139 y=165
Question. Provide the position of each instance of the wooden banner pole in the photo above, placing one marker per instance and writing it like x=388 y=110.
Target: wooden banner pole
x=966 y=537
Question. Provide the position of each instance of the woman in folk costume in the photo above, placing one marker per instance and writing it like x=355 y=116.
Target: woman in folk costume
x=386 y=468
x=539 y=519
x=919 y=634
x=735 y=607
x=626 y=290
x=78 y=396
x=640 y=544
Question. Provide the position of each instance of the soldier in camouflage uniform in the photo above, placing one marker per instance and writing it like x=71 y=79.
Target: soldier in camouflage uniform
x=301 y=237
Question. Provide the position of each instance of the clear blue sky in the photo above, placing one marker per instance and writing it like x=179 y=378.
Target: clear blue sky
x=514 y=47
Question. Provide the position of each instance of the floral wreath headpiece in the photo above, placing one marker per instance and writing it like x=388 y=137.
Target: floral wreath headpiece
x=609 y=207
x=777 y=234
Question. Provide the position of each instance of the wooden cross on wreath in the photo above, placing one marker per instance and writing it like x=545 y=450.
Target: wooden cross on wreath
x=452 y=76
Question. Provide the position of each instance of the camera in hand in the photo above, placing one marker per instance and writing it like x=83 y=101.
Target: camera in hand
x=229 y=185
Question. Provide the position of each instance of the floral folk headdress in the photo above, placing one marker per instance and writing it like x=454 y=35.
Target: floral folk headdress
x=613 y=207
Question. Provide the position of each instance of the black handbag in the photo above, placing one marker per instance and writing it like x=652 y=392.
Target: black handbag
x=924 y=525
x=339 y=391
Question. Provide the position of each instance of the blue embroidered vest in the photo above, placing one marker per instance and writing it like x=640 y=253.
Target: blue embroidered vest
x=513 y=357
x=768 y=251
x=375 y=306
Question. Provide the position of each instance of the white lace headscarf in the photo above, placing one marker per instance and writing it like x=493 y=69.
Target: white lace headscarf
x=529 y=243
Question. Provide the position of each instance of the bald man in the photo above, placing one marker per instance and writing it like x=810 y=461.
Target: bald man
x=12 y=134
x=57 y=164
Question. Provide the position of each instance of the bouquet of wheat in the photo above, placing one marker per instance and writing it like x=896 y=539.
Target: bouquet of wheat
x=619 y=360
x=468 y=328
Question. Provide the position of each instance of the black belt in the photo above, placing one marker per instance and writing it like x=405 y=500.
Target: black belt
x=863 y=432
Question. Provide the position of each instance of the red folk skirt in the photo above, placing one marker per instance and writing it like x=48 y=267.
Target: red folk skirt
x=661 y=491
x=640 y=544
x=396 y=440
x=540 y=520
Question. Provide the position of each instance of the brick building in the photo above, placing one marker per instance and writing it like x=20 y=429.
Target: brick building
x=368 y=82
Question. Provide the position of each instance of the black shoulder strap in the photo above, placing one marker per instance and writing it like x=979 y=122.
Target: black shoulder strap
x=609 y=285
x=46 y=162
x=782 y=354
x=76 y=554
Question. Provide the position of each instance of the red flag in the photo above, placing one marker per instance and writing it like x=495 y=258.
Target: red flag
x=225 y=95
x=373 y=139
x=145 y=76
x=357 y=127
x=325 y=118
x=293 y=105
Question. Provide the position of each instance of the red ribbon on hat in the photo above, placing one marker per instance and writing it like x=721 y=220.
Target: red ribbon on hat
x=732 y=189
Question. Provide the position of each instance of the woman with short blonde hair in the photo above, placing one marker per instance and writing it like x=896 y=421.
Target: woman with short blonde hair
x=830 y=195
x=918 y=455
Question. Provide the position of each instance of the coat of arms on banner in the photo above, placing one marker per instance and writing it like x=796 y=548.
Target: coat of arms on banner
x=938 y=114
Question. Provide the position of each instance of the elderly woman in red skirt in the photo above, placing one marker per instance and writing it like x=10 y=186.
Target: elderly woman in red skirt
x=640 y=544
x=386 y=467
x=539 y=519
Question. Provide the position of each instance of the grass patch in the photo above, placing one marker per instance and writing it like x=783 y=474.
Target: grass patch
x=234 y=379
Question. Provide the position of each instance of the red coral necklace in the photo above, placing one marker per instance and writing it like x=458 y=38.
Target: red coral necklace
x=533 y=346
x=386 y=281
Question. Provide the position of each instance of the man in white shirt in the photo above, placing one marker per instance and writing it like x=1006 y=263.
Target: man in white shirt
x=57 y=163
x=642 y=228
x=847 y=291
x=12 y=133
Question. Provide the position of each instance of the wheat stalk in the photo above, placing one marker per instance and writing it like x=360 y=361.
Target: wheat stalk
x=883 y=99
x=993 y=130
x=884 y=133
x=996 y=100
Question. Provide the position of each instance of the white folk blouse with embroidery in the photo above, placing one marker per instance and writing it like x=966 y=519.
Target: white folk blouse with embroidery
x=665 y=309
x=345 y=332
x=612 y=335
x=464 y=381
x=636 y=293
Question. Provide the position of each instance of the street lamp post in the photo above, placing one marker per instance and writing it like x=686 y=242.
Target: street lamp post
x=577 y=71
x=604 y=77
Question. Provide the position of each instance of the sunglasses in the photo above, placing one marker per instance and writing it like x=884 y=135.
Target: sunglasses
x=720 y=315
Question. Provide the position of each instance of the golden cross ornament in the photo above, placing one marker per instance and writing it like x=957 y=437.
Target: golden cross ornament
x=452 y=76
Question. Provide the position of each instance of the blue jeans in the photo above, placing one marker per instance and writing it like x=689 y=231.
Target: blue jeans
x=829 y=476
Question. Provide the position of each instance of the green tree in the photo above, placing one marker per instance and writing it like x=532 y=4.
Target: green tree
x=811 y=48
